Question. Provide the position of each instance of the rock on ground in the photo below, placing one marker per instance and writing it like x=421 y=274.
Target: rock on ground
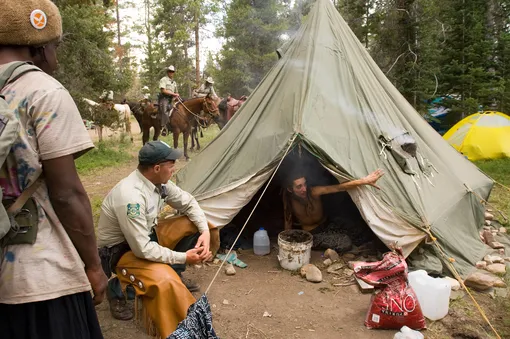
x=303 y=270
x=499 y=269
x=229 y=269
x=454 y=284
x=313 y=274
x=483 y=281
x=481 y=264
x=331 y=254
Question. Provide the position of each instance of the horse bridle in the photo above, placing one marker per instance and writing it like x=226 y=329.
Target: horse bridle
x=197 y=117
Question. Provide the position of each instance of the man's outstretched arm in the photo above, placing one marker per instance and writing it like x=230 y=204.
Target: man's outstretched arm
x=370 y=179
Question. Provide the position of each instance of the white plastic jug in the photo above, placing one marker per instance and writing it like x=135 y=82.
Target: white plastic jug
x=261 y=244
x=407 y=333
x=433 y=294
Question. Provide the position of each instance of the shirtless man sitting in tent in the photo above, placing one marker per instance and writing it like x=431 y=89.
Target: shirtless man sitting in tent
x=303 y=209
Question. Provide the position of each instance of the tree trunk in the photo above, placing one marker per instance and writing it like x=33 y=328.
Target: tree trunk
x=149 y=38
x=197 y=48
x=190 y=90
x=118 y=21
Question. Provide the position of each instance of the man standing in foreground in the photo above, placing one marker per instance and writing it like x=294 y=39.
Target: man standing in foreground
x=45 y=281
x=131 y=247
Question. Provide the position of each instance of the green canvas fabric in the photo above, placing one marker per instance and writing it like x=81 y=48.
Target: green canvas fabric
x=328 y=92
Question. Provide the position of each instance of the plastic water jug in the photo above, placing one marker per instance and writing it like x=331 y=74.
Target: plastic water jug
x=433 y=294
x=407 y=333
x=261 y=245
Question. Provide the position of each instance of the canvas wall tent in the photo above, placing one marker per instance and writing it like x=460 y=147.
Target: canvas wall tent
x=327 y=94
x=484 y=135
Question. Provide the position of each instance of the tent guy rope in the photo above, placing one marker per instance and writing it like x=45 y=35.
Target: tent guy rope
x=291 y=142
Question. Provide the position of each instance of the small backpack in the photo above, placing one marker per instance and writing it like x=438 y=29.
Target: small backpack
x=9 y=133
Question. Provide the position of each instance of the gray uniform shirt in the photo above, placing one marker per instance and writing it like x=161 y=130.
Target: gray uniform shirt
x=130 y=212
x=204 y=90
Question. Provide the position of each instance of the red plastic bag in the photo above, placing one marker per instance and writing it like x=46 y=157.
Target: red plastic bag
x=392 y=267
x=394 y=304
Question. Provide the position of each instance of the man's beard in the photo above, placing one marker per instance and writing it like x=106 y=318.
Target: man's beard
x=304 y=200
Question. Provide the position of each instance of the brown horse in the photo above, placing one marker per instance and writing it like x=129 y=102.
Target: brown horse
x=229 y=106
x=187 y=115
x=150 y=118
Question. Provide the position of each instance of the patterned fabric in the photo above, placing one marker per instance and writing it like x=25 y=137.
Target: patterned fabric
x=198 y=323
x=51 y=127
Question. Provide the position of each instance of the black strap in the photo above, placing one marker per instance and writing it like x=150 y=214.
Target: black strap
x=6 y=76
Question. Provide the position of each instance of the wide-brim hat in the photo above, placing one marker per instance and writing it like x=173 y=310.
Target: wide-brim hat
x=209 y=80
x=170 y=68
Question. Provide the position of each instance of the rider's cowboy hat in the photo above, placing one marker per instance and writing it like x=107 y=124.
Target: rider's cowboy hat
x=29 y=22
x=209 y=80
x=171 y=68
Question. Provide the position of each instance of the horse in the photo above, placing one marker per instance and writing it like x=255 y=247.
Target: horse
x=187 y=114
x=150 y=118
x=228 y=107
x=124 y=115
x=137 y=110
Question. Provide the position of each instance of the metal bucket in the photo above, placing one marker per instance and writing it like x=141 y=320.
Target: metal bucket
x=295 y=249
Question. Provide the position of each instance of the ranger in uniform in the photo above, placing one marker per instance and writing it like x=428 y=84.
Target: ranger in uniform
x=168 y=95
x=130 y=246
x=206 y=89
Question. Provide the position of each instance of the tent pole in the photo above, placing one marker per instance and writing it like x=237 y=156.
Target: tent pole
x=253 y=210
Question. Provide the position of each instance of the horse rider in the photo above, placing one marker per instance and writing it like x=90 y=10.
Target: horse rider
x=168 y=95
x=146 y=93
x=206 y=89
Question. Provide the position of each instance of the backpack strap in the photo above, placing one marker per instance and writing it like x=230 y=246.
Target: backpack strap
x=6 y=76
x=23 y=198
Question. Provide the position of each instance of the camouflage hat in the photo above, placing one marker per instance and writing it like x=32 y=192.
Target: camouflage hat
x=29 y=22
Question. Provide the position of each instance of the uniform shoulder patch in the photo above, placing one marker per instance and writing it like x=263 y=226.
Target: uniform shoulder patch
x=133 y=210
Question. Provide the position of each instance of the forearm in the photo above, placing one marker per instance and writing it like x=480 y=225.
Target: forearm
x=167 y=92
x=350 y=184
x=75 y=213
x=157 y=253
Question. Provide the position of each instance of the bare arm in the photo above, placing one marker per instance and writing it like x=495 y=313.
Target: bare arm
x=72 y=206
x=370 y=179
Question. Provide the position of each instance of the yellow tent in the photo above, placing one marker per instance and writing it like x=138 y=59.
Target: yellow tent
x=484 y=135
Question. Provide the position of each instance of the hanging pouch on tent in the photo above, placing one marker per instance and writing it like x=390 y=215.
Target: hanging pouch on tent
x=403 y=147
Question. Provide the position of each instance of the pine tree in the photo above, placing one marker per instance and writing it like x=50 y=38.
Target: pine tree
x=253 y=30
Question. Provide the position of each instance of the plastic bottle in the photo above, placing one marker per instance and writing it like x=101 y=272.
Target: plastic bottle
x=261 y=244
x=433 y=294
x=407 y=333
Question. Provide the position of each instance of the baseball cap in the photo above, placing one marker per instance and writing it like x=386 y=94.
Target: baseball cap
x=155 y=152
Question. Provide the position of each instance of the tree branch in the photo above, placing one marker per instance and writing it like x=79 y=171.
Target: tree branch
x=394 y=63
x=443 y=30
x=437 y=85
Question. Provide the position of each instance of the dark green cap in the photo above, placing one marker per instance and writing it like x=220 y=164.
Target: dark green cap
x=155 y=152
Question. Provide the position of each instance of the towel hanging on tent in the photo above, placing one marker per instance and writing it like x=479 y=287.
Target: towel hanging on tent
x=198 y=322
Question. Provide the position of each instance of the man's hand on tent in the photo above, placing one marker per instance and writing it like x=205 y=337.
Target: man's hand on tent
x=372 y=178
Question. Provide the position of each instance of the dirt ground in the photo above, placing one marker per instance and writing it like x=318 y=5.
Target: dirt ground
x=320 y=311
